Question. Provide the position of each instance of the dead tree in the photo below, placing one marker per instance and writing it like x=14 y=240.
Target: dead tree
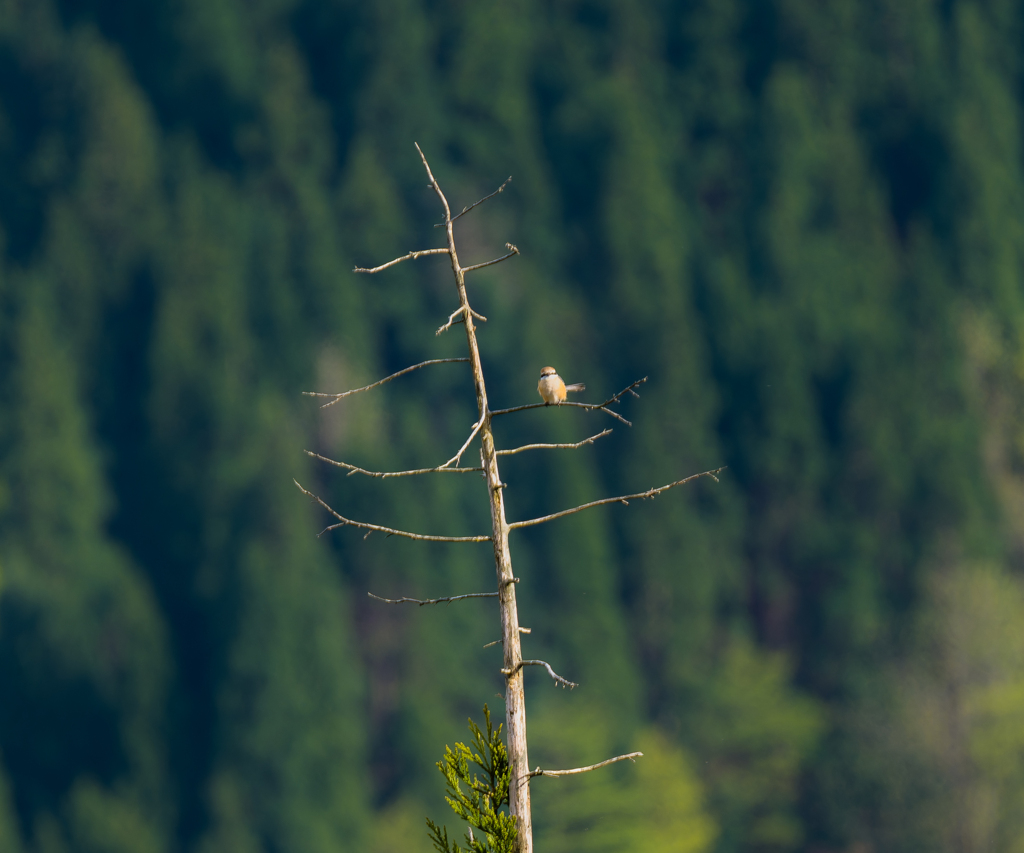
x=514 y=663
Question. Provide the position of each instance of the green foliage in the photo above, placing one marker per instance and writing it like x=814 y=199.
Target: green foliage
x=967 y=700
x=480 y=804
x=10 y=839
x=756 y=734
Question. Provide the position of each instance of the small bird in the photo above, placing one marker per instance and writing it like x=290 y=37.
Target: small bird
x=552 y=389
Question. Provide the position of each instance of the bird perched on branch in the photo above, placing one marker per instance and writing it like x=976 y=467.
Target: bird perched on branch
x=552 y=389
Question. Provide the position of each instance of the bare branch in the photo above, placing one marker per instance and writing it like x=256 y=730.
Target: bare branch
x=435 y=186
x=380 y=381
x=512 y=251
x=421 y=601
x=575 y=770
x=614 y=414
x=564 y=682
x=347 y=522
x=466 y=210
x=590 y=440
x=602 y=406
x=458 y=312
x=629 y=389
x=472 y=435
x=410 y=257
x=447 y=466
x=355 y=469
x=650 y=493
x=439 y=469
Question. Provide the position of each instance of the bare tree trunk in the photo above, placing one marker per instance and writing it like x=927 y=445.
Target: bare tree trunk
x=515 y=697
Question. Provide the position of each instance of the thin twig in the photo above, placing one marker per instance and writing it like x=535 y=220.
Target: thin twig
x=566 y=403
x=348 y=522
x=512 y=251
x=650 y=493
x=410 y=257
x=575 y=770
x=355 y=469
x=590 y=440
x=458 y=456
x=380 y=381
x=421 y=601
x=602 y=406
x=458 y=312
x=564 y=682
x=627 y=390
x=466 y=210
x=436 y=187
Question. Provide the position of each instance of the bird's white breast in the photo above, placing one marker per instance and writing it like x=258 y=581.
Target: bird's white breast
x=550 y=388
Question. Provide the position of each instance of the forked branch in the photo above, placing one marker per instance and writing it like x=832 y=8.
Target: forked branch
x=512 y=250
x=422 y=601
x=355 y=469
x=622 y=499
x=459 y=316
x=563 y=682
x=412 y=256
x=538 y=772
x=466 y=210
x=390 y=531
x=455 y=459
x=401 y=372
x=590 y=440
x=447 y=466
x=436 y=187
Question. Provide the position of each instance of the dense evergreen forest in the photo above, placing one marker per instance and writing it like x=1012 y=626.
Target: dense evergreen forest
x=802 y=219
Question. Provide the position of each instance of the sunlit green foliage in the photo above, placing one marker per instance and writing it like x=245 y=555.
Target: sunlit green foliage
x=481 y=802
x=967 y=699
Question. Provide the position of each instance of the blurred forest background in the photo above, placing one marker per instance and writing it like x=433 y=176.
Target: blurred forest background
x=803 y=220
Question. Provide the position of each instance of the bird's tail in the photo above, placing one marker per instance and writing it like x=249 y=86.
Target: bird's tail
x=579 y=386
